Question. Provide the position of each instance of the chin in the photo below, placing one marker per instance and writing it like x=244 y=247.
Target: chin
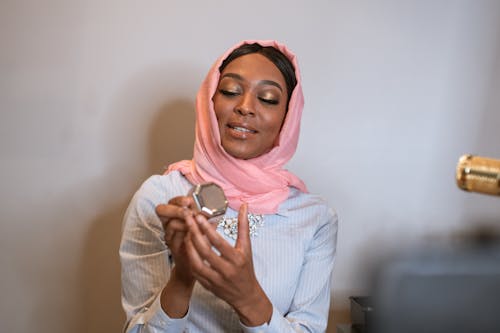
x=242 y=155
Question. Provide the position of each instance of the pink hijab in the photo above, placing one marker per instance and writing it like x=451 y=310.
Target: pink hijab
x=262 y=182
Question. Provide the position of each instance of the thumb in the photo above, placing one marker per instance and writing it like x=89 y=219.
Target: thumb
x=243 y=240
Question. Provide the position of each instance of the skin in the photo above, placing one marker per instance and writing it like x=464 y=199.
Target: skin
x=250 y=106
x=180 y=285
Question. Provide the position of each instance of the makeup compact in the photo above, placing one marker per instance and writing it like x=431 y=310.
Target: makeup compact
x=209 y=199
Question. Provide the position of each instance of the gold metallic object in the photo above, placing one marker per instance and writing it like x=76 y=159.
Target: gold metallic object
x=478 y=174
x=209 y=199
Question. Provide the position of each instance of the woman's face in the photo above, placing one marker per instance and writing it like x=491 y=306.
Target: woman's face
x=250 y=106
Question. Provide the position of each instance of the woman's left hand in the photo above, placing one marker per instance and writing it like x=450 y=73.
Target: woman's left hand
x=229 y=275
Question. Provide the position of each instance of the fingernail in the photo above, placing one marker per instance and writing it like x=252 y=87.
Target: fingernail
x=200 y=219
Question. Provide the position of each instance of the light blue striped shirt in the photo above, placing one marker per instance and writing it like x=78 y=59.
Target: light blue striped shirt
x=293 y=255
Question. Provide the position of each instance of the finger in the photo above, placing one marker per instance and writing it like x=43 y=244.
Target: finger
x=182 y=201
x=169 y=211
x=243 y=240
x=177 y=241
x=206 y=283
x=203 y=244
x=217 y=241
x=199 y=268
x=173 y=227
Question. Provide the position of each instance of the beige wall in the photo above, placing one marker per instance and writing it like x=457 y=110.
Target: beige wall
x=97 y=95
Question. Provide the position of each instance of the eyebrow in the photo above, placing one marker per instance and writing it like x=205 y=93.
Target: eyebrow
x=240 y=78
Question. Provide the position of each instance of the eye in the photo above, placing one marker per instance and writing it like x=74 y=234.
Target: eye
x=226 y=92
x=269 y=96
x=269 y=101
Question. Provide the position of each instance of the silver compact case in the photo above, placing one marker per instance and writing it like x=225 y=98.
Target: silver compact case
x=209 y=199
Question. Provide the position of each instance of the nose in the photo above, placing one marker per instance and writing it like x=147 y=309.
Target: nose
x=245 y=105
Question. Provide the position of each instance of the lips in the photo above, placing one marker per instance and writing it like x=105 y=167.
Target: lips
x=241 y=128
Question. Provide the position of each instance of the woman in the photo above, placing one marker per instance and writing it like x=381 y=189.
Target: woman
x=266 y=265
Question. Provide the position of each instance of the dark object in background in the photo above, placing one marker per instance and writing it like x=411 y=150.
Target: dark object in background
x=452 y=289
x=441 y=290
x=361 y=313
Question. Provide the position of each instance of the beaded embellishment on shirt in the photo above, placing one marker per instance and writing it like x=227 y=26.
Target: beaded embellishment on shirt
x=229 y=225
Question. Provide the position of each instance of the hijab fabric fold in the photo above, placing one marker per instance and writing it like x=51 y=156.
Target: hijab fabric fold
x=262 y=182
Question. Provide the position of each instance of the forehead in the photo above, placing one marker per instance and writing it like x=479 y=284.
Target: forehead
x=255 y=66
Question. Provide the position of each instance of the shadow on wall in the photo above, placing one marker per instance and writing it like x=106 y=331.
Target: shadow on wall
x=171 y=137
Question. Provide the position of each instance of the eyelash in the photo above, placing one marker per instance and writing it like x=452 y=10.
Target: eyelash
x=233 y=93
x=269 y=101
x=228 y=93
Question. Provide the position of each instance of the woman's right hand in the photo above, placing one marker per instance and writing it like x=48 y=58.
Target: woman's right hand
x=176 y=294
x=173 y=216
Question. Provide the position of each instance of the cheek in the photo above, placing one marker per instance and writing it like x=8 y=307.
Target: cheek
x=275 y=122
x=218 y=110
x=222 y=107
